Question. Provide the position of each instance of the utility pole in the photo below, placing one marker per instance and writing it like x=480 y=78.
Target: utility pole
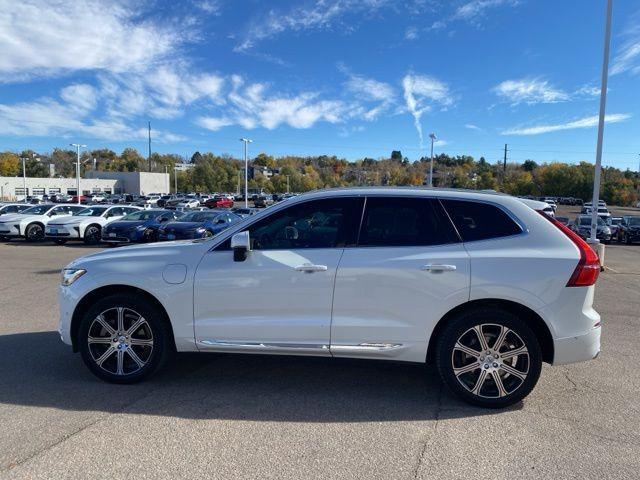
x=175 y=179
x=246 y=172
x=288 y=191
x=603 y=102
x=78 y=147
x=504 y=164
x=149 y=155
x=24 y=178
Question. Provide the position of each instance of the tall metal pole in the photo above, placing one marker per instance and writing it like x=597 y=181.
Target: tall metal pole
x=603 y=102
x=175 y=179
x=24 y=178
x=78 y=147
x=246 y=172
x=432 y=136
x=149 y=154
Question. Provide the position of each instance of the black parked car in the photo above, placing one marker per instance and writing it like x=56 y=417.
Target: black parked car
x=198 y=225
x=14 y=208
x=629 y=229
x=138 y=227
x=582 y=226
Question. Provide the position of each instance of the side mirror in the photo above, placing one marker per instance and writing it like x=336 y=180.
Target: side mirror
x=241 y=245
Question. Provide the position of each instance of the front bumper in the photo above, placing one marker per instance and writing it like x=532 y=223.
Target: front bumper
x=61 y=231
x=577 y=349
x=9 y=230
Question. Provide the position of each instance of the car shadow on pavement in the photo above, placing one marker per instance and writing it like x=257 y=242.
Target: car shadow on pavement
x=37 y=370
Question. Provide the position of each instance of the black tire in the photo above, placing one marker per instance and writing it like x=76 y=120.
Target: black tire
x=627 y=240
x=34 y=232
x=207 y=234
x=156 y=328
x=489 y=395
x=59 y=241
x=149 y=236
x=92 y=235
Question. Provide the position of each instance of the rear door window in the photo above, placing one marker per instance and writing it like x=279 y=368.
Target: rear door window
x=480 y=221
x=404 y=222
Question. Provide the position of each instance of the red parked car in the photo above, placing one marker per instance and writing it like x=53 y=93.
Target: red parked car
x=83 y=199
x=218 y=202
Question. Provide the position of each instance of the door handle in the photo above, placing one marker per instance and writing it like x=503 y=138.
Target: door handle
x=310 y=268
x=438 y=268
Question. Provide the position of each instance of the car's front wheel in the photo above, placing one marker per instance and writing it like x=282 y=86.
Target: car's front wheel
x=92 y=235
x=34 y=232
x=124 y=339
x=489 y=357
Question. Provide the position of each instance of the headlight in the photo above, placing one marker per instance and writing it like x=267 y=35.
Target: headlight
x=70 y=275
x=200 y=229
x=141 y=227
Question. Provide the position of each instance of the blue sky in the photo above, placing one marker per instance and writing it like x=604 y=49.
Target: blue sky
x=343 y=77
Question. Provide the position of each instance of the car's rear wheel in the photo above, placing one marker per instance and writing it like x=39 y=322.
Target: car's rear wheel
x=124 y=339
x=92 y=235
x=489 y=357
x=34 y=232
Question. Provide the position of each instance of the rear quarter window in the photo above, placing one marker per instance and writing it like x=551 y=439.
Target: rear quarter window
x=480 y=221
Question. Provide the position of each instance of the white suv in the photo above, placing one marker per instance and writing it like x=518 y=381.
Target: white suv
x=481 y=284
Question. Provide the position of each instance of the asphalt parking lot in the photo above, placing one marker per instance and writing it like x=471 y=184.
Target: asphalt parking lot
x=227 y=416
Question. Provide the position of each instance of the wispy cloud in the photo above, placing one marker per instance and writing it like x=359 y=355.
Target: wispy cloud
x=471 y=126
x=251 y=106
x=321 y=14
x=211 y=7
x=529 y=91
x=369 y=91
x=627 y=59
x=73 y=113
x=588 y=122
x=420 y=93
x=473 y=12
x=50 y=37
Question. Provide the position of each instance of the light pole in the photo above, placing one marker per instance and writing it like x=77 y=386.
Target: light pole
x=246 y=141
x=288 y=191
x=432 y=136
x=603 y=101
x=24 y=178
x=78 y=147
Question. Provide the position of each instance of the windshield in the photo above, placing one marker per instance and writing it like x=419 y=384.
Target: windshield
x=142 y=215
x=91 y=212
x=198 y=216
x=635 y=221
x=38 y=210
x=587 y=221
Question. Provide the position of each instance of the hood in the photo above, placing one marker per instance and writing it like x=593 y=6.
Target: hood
x=127 y=224
x=68 y=220
x=13 y=217
x=163 y=252
x=18 y=217
x=182 y=225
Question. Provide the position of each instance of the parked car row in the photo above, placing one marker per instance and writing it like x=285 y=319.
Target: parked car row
x=624 y=229
x=111 y=224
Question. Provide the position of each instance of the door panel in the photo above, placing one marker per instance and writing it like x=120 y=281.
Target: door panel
x=408 y=270
x=387 y=303
x=264 y=303
x=278 y=299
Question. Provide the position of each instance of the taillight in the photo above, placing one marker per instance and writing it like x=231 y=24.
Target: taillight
x=588 y=268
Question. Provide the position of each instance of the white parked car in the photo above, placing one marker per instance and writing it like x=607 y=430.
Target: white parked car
x=188 y=203
x=86 y=224
x=31 y=223
x=97 y=198
x=481 y=284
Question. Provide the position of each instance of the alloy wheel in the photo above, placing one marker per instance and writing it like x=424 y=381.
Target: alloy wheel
x=490 y=360
x=120 y=341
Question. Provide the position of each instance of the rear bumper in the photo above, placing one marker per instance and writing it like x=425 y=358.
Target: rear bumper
x=577 y=349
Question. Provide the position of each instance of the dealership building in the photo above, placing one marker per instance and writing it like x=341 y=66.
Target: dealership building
x=139 y=183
